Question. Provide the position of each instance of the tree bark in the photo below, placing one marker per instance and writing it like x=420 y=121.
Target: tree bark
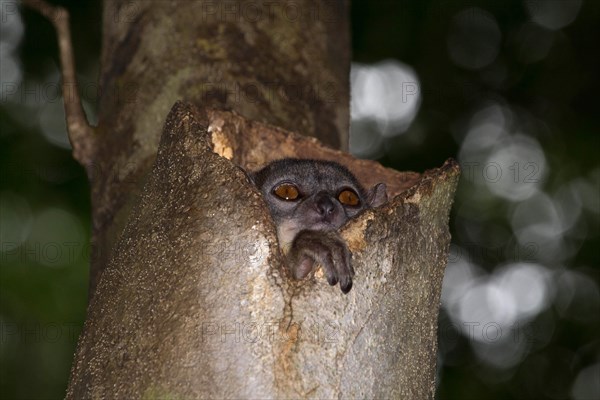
x=286 y=63
x=196 y=302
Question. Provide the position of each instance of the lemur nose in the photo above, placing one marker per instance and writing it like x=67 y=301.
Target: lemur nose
x=323 y=204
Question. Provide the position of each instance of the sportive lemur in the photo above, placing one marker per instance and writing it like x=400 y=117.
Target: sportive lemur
x=309 y=200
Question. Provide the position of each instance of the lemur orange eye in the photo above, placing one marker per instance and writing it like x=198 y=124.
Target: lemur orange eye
x=287 y=191
x=348 y=198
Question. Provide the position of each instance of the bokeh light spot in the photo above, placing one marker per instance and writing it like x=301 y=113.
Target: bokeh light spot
x=553 y=14
x=57 y=239
x=11 y=33
x=15 y=221
x=474 y=38
x=587 y=383
x=385 y=99
x=528 y=286
x=516 y=168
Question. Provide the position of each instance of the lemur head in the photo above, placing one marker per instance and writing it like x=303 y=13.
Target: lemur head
x=313 y=194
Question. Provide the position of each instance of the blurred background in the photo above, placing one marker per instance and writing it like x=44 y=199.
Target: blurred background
x=508 y=88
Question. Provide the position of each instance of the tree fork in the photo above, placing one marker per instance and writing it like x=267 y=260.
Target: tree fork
x=155 y=53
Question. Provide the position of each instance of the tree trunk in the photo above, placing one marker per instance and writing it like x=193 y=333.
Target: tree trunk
x=285 y=63
x=195 y=301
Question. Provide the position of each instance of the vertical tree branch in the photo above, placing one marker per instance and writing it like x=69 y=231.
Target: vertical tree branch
x=79 y=130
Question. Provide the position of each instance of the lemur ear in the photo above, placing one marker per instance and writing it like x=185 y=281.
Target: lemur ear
x=249 y=175
x=377 y=195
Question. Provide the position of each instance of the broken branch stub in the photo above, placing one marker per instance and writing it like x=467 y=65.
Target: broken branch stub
x=196 y=302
